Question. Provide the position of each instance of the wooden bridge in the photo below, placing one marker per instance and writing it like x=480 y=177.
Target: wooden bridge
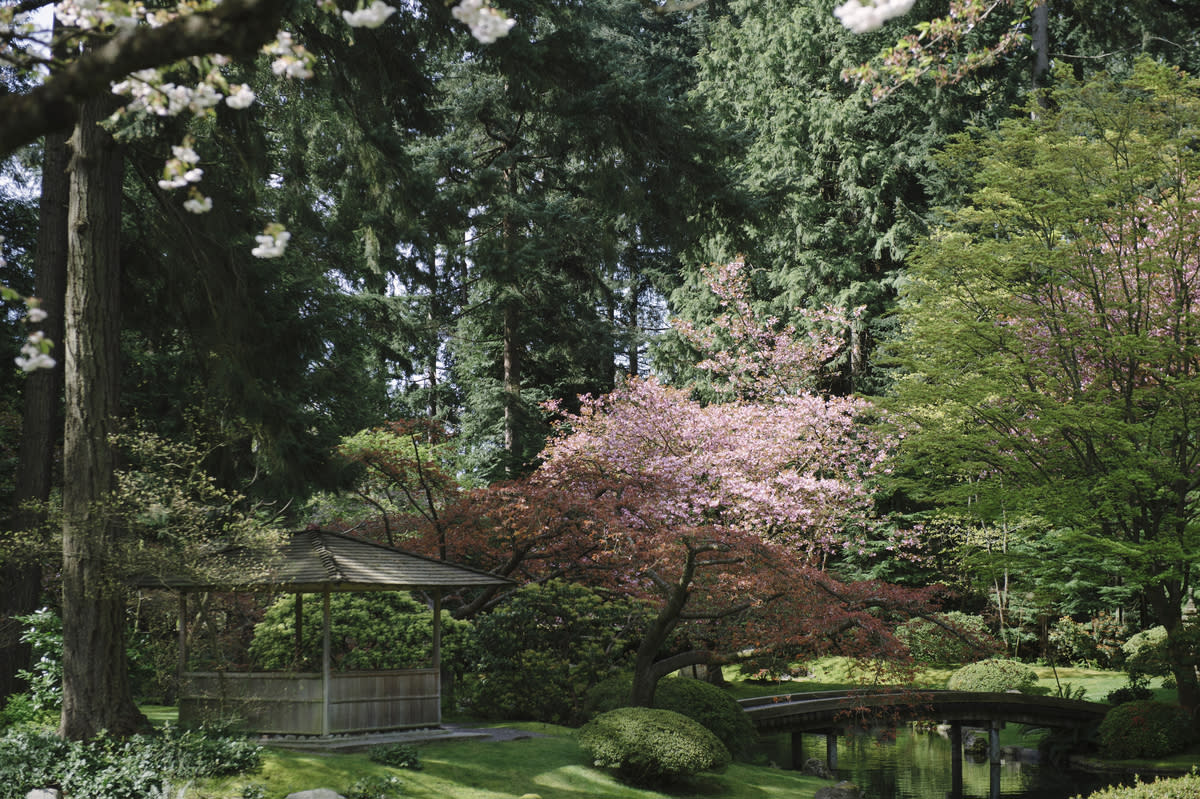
x=824 y=710
x=830 y=712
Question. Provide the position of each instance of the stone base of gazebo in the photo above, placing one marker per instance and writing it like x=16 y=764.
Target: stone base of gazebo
x=291 y=704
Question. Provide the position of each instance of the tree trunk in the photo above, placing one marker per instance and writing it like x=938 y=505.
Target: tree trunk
x=41 y=426
x=96 y=693
x=512 y=386
x=1041 y=43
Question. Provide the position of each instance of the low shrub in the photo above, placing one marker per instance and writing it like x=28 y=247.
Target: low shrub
x=651 y=746
x=376 y=787
x=104 y=768
x=396 y=756
x=1144 y=729
x=1163 y=788
x=700 y=701
x=1135 y=691
x=994 y=675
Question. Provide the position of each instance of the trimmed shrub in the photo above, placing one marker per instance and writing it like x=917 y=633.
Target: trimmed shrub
x=651 y=746
x=702 y=702
x=540 y=651
x=1162 y=788
x=932 y=644
x=1144 y=729
x=993 y=675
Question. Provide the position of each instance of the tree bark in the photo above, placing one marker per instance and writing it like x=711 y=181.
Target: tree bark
x=96 y=692
x=41 y=426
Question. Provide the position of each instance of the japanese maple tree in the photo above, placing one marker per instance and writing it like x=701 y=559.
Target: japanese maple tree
x=1053 y=337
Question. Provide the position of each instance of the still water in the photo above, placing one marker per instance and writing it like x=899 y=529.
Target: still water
x=917 y=766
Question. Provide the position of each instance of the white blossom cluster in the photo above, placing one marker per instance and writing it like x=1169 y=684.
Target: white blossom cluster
x=486 y=23
x=372 y=16
x=271 y=243
x=35 y=352
x=863 y=18
x=291 y=59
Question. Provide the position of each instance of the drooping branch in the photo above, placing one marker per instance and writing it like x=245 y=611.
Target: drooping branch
x=235 y=27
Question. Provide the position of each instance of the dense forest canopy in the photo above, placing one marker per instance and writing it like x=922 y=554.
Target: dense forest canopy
x=545 y=285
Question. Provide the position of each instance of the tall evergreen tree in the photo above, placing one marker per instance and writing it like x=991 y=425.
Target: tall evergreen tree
x=571 y=161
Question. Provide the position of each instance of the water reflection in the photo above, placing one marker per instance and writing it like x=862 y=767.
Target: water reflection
x=917 y=766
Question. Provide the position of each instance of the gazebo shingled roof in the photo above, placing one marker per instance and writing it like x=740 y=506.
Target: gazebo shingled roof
x=316 y=561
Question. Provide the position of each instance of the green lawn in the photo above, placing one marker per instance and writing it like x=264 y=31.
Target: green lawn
x=549 y=765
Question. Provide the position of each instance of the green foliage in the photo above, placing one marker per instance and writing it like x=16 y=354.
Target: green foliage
x=540 y=651
x=1146 y=652
x=41 y=701
x=370 y=630
x=376 y=787
x=1162 y=788
x=650 y=746
x=1095 y=644
x=1137 y=689
x=934 y=645
x=1048 y=375
x=1145 y=729
x=993 y=675
x=700 y=701
x=396 y=756
x=104 y=768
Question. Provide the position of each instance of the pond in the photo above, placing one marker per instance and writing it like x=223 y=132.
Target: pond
x=917 y=766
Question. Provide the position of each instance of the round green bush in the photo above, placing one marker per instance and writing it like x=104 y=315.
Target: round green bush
x=651 y=746
x=1145 y=729
x=994 y=675
x=700 y=701
x=1174 y=788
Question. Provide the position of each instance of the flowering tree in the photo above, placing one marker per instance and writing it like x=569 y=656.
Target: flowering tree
x=721 y=515
x=1052 y=337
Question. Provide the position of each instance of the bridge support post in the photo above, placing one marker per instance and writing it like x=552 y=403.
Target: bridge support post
x=797 y=750
x=831 y=749
x=956 y=755
x=994 y=759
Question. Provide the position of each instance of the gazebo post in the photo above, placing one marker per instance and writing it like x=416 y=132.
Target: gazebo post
x=299 y=638
x=183 y=642
x=437 y=647
x=326 y=668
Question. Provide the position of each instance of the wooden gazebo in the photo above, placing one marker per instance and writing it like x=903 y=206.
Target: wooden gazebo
x=324 y=703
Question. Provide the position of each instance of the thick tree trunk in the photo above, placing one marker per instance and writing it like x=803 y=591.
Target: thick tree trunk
x=41 y=427
x=96 y=693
